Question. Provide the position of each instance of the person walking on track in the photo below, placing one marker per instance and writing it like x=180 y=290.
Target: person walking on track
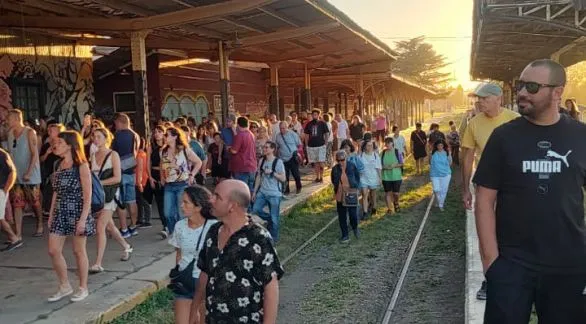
x=532 y=244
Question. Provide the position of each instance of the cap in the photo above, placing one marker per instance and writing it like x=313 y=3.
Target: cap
x=340 y=155
x=488 y=89
x=231 y=117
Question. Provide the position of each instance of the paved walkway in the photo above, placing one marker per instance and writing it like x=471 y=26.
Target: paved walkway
x=474 y=273
x=27 y=278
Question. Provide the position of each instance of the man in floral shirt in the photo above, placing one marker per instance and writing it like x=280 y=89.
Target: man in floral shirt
x=239 y=265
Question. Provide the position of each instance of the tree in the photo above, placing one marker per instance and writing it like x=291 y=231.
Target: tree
x=418 y=61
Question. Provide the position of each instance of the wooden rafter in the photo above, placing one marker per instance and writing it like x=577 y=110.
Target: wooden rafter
x=287 y=34
x=181 y=17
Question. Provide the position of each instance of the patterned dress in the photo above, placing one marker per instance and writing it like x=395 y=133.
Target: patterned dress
x=68 y=205
x=238 y=274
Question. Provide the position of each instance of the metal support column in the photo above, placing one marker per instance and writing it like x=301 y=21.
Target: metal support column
x=274 y=93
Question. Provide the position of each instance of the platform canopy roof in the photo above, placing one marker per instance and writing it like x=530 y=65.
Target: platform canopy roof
x=311 y=32
x=508 y=34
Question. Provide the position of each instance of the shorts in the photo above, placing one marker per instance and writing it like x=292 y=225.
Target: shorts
x=128 y=195
x=380 y=134
x=365 y=186
x=392 y=186
x=3 y=200
x=188 y=295
x=23 y=193
x=316 y=154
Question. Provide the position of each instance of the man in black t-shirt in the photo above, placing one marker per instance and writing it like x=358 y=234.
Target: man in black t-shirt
x=315 y=140
x=533 y=246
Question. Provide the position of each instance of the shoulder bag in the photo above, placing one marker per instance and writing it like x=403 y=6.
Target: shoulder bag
x=182 y=281
x=294 y=156
x=349 y=195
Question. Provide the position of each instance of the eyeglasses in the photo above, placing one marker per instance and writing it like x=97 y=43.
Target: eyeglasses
x=532 y=87
x=267 y=147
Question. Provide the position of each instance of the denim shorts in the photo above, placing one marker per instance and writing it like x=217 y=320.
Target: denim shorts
x=189 y=295
x=128 y=192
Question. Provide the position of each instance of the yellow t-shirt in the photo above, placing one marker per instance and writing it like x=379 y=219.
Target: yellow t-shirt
x=480 y=127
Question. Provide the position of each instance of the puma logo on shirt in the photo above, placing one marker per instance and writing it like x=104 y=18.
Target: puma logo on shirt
x=564 y=158
x=547 y=166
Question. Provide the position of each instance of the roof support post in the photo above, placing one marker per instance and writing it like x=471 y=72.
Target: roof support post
x=139 y=76
x=346 y=116
x=361 y=96
x=274 y=93
x=306 y=92
x=224 y=81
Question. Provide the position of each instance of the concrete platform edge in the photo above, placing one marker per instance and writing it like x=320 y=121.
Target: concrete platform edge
x=160 y=283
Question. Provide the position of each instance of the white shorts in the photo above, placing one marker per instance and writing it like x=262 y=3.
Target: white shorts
x=316 y=154
x=3 y=200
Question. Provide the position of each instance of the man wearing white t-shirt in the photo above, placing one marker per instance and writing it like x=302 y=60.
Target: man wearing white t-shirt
x=343 y=131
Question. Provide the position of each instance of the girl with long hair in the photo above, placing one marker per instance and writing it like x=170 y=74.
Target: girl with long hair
x=188 y=239
x=440 y=171
x=176 y=173
x=260 y=141
x=218 y=161
x=48 y=160
x=105 y=163
x=155 y=189
x=70 y=215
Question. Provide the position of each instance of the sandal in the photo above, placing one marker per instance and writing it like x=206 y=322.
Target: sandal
x=127 y=253
x=95 y=269
x=38 y=234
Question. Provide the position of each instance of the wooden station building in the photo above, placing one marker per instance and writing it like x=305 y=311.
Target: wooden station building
x=178 y=57
x=508 y=35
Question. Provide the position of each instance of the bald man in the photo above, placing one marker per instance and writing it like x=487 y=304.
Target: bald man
x=287 y=143
x=240 y=269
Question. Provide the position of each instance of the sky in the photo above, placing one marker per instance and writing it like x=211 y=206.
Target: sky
x=447 y=24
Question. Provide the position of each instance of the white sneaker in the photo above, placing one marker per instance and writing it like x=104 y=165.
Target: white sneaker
x=60 y=294
x=80 y=295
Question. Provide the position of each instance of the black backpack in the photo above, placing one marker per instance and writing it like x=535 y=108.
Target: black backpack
x=397 y=155
x=273 y=168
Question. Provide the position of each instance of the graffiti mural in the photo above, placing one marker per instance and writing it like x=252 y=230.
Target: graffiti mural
x=64 y=71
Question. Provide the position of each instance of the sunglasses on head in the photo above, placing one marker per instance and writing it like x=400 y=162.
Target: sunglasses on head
x=532 y=87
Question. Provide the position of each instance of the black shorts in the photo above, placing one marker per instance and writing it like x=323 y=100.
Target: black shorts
x=392 y=186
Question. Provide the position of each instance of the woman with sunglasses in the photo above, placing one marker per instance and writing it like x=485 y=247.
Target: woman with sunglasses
x=179 y=165
x=70 y=215
x=345 y=176
x=188 y=240
x=105 y=163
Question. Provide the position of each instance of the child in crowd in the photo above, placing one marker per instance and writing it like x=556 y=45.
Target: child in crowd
x=440 y=171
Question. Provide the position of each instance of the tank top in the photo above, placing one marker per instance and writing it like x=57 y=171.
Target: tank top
x=176 y=167
x=21 y=155
x=96 y=167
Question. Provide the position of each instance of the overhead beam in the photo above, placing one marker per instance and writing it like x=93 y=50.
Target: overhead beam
x=140 y=11
x=61 y=8
x=282 y=35
x=280 y=17
x=319 y=51
x=181 y=17
x=151 y=43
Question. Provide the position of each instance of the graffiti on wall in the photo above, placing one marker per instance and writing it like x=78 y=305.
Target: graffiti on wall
x=67 y=82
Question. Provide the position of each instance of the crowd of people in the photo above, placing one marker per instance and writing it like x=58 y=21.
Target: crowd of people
x=227 y=268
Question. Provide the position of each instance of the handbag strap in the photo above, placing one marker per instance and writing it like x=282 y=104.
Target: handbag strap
x=284 y=141
x=104 y=163
x=203 y=228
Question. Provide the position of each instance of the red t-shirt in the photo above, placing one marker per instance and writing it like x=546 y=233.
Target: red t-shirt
x=245 y=158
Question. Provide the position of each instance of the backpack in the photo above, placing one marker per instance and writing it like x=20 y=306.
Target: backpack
x=397 y=155
x=273 y=168
x=98 y=194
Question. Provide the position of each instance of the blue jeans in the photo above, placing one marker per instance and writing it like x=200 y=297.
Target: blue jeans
x=345 y=213
x=273 y=216
x=173 y=194
x=246 y=177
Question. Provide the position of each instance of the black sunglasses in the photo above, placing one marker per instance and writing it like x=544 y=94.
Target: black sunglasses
x=532 y=87
x=14 y=143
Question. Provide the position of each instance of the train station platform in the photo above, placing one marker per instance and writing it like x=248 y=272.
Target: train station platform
x=474 y=275
x=27 y=278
